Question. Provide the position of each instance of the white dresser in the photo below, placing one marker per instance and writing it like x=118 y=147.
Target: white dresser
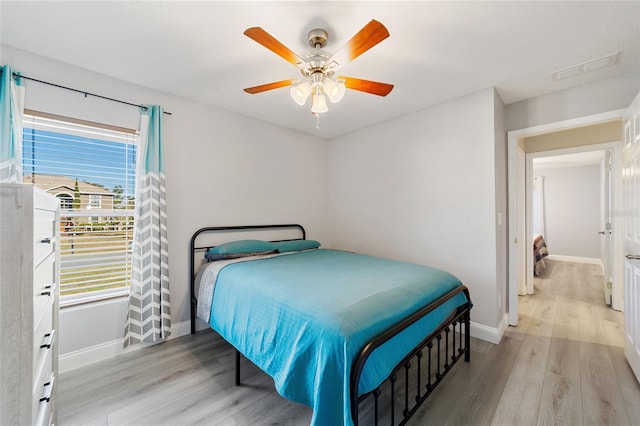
x=29 y=277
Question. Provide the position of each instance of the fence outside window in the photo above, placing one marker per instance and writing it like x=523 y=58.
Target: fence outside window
x=95 y=253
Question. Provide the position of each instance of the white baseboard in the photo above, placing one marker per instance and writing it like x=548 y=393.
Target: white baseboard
x=80 y=358
x=490 y=334
x=83 y=357
x=576 y=259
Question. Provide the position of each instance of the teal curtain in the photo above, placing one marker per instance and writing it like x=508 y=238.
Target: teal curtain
x=149 y=314
x=11 y=110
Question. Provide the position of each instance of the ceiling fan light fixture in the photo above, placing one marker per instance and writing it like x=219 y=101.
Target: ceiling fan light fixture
x=335 y=90
x=319 y=104
x=318 y=67
x=301 y=92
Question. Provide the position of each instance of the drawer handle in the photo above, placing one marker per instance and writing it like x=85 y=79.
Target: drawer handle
x=48 y=240
x=49 y=385
x=48 y=290
x=51 y=335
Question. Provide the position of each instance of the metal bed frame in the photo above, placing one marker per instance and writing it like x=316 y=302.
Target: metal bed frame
x=402 y=393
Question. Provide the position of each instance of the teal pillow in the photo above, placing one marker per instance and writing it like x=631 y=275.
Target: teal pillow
x=296 y=245
x=243 y=246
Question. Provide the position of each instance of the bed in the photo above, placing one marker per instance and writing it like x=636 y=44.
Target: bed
x=540 y=251
x=356 y=338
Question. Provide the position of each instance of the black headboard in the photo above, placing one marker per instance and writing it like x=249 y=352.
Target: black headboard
x=225 y=229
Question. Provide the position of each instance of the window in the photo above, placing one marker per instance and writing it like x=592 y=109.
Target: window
x=66 y=201
x=90 y=168
x=94 y=201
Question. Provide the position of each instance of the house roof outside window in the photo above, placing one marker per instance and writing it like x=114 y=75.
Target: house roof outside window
x=55 y=184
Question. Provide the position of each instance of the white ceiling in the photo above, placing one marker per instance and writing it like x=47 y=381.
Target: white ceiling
x=437 y=51
x=578 y=159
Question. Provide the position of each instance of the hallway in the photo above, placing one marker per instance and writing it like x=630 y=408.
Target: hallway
x=570 y=368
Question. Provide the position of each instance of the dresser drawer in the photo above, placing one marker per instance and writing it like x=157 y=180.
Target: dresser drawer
x=44 y=287
x=43 y=384
x=44 y=201
x=44 y=402
x=44 y=338
x=43 y=215
x=44 y=416
x=44 y=232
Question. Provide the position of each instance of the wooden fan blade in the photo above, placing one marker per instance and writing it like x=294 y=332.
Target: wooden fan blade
x=370 y=35
x=373 y=87
x=267 y=40
x=270 y=86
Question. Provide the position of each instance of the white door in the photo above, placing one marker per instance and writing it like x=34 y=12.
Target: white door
x=517 y=226
x=605 y=223
x=631 y=185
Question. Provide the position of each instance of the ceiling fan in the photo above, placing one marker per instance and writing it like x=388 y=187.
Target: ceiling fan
x=318 y=67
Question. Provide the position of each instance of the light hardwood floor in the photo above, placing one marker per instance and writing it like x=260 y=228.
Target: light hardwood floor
x=563 y=365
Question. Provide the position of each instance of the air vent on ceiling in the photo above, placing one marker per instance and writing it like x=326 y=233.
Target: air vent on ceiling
x=592 y=65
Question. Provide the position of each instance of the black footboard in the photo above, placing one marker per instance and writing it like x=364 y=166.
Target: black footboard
x=418 y=374
x=412 y=381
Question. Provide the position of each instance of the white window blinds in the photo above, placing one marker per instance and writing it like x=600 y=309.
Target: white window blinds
x=91 y=170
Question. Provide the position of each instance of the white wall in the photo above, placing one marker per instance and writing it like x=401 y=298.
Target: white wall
x=593 y=98
x=502 y=203
x=572 y=210
x=221 y=169
x=422 y=188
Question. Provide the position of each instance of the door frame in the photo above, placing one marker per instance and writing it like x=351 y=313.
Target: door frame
x=519 y=213
x=616 y=223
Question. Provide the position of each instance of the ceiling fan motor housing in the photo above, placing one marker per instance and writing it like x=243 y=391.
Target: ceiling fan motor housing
x=318 y=38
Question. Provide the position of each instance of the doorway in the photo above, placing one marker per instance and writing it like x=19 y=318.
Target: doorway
x=569 y=134
x=571 y=211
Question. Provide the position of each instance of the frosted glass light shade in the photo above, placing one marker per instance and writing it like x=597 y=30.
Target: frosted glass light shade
x=301 y=92
x=319 y=104
x=335 y=90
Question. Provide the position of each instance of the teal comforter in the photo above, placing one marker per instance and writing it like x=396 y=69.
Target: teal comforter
x=303 y=317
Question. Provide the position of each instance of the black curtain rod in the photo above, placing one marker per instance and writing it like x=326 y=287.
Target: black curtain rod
x=82 y=91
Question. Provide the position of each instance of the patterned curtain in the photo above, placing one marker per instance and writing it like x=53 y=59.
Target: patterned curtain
x=11 y=110
x=149 y=318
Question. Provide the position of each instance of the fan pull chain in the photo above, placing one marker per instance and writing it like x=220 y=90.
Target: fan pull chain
x=317 y=121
